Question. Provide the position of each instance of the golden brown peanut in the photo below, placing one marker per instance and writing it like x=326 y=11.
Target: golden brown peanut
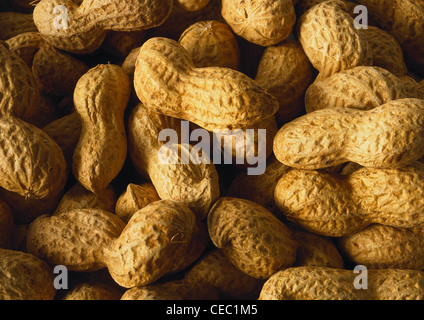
x=6 y=226
x=24 y=277
x=166 y=81
x=14 y=23
x=211 y=44
x=196 y=185
x=413 y=89
x=134 y=198
x=259 y=188
x=286 y=72
x=330 y=40
x=337 y=206
x=172 y=290
x=119 y=44
x=315 y=250
x=388 y=136
x=321 y=283
x=180 y=19
x=32 y=164
x=191 y=5
x=386 y=51
x=253 y=239
x=77 y=197
x=19 y=94
x=66 y=132
x=153 y=244
x=25 y=210
x=93 y=291
x=385 y=247
x=265 y=23
x=26 y=45
x=89 y=22
x=77 y=239
x=100 y=98
x=362 y=88
x=215 y=270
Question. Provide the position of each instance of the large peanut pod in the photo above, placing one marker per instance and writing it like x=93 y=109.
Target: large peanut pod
x=101 y=97
x=321 y=283
x=25 y=277
x=76 y=239
x=385 y=247
x=265 y=22
x=166 y=81
x=19 y=93
x=153 y=244
x=195 y=184
x=389 y=136
x=362 y=88
x=337 y=206
x=332 y=43
x=32 y=164
x=252 y=238
x=82 y=28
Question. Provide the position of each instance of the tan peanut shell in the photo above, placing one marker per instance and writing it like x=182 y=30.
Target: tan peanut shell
x=214 y=269
x=24 y=277
x=153 y=244
x=386 y=51
x=286 y=72
x=77 y=197
x=259 y=188
x=385 y=247
x=76 y=239
x=32 y=164
x=26 y=45
x=6 y=225
x=362 y=88
x=251 y=237
x=66 y=132
x=330 y=40
x=134 y=198
x=166 y=81
x=93 y=291
x=388 y=136
x=88 y=23
x=191 y=5
x=211 y=44
x=196 y=185
x=172 y=290
x=19 y=94
x=413 y=89
x=321 y=283
x=100 y=98
x=337 y=206
x=14 y=23
x=264 y=23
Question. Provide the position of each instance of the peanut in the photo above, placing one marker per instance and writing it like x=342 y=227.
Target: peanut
x=134 y=198
x=265 y=23
x=89 y=22
x=388 y=136
x=413 y=89
x=321 y=283
x=330 y=39
x=335 y=206
x=286 y=72
x=100 y=98
x=254 y=240
x=211 y=44
x=93 y=291
x=385 y=247
x=362 y=88
x=166 y=81
x=24 y=277
x=191 y=5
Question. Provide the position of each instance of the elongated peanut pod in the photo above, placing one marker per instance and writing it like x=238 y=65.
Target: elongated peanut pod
x=100 y=99
x=338 y=206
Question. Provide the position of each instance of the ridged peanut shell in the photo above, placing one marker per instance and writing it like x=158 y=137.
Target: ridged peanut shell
x=251 y=237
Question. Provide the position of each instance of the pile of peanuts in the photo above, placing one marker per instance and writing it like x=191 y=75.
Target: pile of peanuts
x=88 y=212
